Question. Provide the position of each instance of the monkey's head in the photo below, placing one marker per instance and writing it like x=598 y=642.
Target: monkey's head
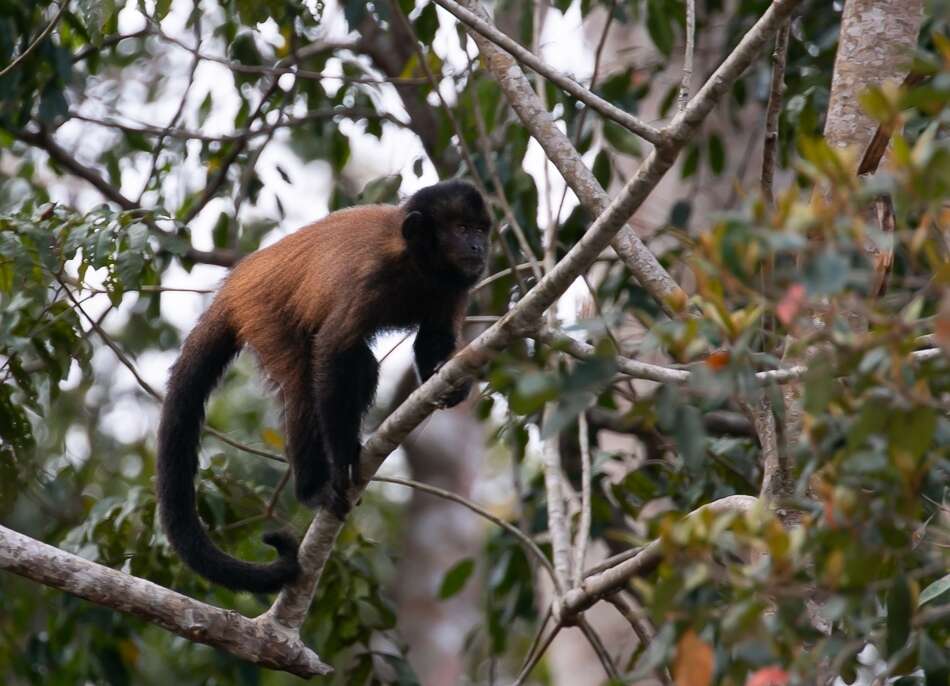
x=446 y=228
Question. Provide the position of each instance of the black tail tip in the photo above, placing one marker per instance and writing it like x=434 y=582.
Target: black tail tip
x=283 y=542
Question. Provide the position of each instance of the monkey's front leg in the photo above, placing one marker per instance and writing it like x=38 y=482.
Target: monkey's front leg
x=433 y=346
x=344 y=385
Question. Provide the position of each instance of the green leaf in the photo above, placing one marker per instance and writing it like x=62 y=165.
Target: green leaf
x=454 y=579
x=427 y=24
x=128 y=267
x=690 y=162
x=937 y=588
x=602 y=170
x=383 y=189
x=659 y=26
x=53 y=104
x=94 y=14
x=912 y=432
x=622 y=140
x=244 y=50
x=899 y=615
x=827 y=274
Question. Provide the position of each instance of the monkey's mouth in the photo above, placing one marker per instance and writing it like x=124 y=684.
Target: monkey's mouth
x=472 y=265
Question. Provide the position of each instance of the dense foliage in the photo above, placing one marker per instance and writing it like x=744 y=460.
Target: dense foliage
x=108 y=216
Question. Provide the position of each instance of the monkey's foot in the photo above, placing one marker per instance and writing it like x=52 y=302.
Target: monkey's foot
x=455 y=396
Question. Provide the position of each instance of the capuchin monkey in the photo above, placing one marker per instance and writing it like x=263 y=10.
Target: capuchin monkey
x=308 y=306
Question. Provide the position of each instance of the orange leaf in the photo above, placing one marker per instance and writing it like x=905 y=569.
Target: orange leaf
x=694 y=661
x=791 y=303
x=717 y=359
x=768 y=676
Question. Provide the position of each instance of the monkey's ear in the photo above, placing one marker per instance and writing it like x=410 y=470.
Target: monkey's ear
x=413 y=226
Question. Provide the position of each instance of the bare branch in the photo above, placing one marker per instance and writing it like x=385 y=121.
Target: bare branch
x=600 y=585
x=557 y=522
x=562 y=153
x=583 y=528
x=108 y=42
x=599 y=649
x=354 y=113
x=282 y=67
x=774 y=108
x=564 y=82
x=776 y=472
x=256 y=640
x=182 y=101
x=539 y=647
x=529 y=545
x=690 y=49
x=661 y=374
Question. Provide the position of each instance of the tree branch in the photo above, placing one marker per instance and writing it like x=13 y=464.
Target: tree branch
x=600 y=585
x=557 y=522
x=292 y=603
x=63 y=4
x=772 y=112
x=42 y=140
x=529 y=545
x=562 y=81
x=688 y=53
x=354 y=113
x=562 y=153
x=259 y=640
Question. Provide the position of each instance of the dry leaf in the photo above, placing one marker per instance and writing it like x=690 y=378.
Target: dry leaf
x=791 y=304
x=694 y=662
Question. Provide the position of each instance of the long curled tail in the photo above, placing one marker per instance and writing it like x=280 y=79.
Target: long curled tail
x=205 y=355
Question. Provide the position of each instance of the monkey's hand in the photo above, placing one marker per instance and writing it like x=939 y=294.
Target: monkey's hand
x=455 y=396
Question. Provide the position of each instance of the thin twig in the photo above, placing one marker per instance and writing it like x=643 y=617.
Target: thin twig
x=599 y=649
x=108 y=42
x=214 y=185
x=774 y=108
x=39 y=39
x=557 y=522
x=279 y=70
x=529 y=545
x=489 y=157
x=160 y=143
x=535 y=656
x=562 y=81
x=688 y=53
x=150 y=390
x=145 y=129
x=272 y=503
x=583 y=529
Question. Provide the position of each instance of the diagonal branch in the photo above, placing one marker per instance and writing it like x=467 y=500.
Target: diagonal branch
x=255 y=640
x=63 y=4
x=562 y=81
x=562 y=153
x=607 y=582
x=293 y=602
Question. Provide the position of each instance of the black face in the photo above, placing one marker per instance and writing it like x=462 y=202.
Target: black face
x=447 y=226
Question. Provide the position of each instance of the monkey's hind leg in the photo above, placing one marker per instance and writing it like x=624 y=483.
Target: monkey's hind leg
x=345 y=387
x=305 y=451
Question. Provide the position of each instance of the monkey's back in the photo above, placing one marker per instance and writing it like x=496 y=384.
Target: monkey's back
x=277 y=297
